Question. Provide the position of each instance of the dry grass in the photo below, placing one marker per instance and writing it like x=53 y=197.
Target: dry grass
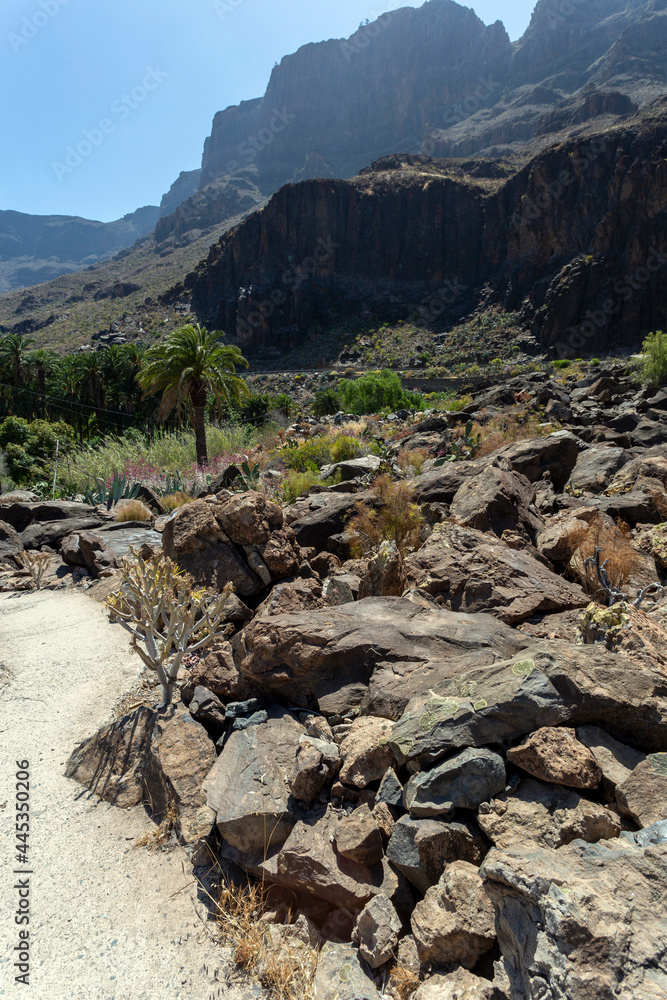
x=615 y=544
x=175 y=500
x=506 y=428
x=412 y=457
x=285 y=970
x=156 y=838
x=658 y=502
x=398 y=519
x=132 y=510
x=403 y=982
x=35 y=563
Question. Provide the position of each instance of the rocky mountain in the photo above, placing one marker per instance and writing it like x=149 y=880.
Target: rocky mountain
x=37 y=248
x=428 y=82
x=574 y=241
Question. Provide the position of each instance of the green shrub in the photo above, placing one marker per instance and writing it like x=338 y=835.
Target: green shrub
x=295 y=484
x=14 y=430
x=255 y=409
x=309 y=456
x=346 y=447
x=595 y=362
x=375 y=392
x=654 y=366
x=21 y=464
x=281 y=403
x=563 y=363
x=326 y=403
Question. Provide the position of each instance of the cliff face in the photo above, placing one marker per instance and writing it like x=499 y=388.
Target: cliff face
x=351 y=100
x=182 y=188
x=36 y=248
x=574 y=240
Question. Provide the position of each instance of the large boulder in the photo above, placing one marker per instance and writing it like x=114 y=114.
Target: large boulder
x=596 y=468
x=616 y=760
x=549 y=815
x=474 y=572
x=364 y=752
x=586 y=921
x=157 y=758
x=51 y=533
x=552 y=683
x=377 y=652
x=10 y=544
x=422 y=848
x=247 y=786
x=310 y=862
x=459 y=985
x=455 y=920
x=21 y=514
x=314 y=519
x=556 y=454
x=497 y=500
x=441 y=485
x=85 y=548
x=207 y=538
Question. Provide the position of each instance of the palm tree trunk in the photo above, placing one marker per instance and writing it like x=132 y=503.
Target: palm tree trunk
x=41 y=388
x=200 y=431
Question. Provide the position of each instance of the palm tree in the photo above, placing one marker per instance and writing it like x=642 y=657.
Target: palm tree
x=186 y=367
x=14 y=356
x=42 y=363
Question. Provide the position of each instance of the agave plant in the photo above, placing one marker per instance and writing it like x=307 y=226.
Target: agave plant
x=469 y=449
x=250 y=478
x=119 y=489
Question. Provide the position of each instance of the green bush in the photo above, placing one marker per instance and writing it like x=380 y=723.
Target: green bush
x=346 y=447
x=654 y=366
x=326 y=402
x=255 y=409
x=296 y=484
x=563 y=363
x=21 y=464
x=309 y=456
x=14 y=430
x=281 y=403
x=375 y=392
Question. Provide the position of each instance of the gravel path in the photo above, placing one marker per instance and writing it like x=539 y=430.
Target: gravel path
x=108 y=920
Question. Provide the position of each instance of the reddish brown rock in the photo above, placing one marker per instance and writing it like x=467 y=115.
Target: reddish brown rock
x=455 y=922
x=364 y=752
x=643 y=795
x=358 y=837
x=556 y=755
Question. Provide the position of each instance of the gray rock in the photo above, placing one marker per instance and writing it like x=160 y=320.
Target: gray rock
x=463 y=782
x=10 y=543
x=643 y=794
x=207 y=708
x=497 y=500
x=588 y=920
x=556 y=454
x=358 y=837
x=352 y=468
x=21 y=514
x=376 y=931
x=378 y=652
x=51 y=533
x=316 y=763
x=553 y=682
x=247 y=786
x=341 y=975
x=596 y=467
x=421 y=848
x=391 y=790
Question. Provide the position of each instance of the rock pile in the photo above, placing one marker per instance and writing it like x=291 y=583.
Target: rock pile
x=467 y=782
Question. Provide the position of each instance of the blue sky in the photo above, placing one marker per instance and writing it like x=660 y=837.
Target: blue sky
x=139 y=81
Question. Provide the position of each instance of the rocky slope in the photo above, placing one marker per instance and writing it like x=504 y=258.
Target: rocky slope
x=574 y=240
x=448 y=768
x=37 y=248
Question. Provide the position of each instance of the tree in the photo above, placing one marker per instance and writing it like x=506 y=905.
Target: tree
x=14 y=357
x=185 y=368
x=42 y=363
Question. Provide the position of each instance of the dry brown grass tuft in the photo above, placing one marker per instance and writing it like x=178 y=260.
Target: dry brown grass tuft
x=175 y=500
x=398 y=519
x=132 y=510
x=615 y=544
x=506 y=428
x=412 y=457
x=286 y=970
x=155 y=839
x=403 y=982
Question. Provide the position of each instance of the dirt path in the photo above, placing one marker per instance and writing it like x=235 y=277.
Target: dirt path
x=108 y=921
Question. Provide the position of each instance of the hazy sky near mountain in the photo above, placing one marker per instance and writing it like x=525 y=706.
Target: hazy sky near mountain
x=138 y=81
